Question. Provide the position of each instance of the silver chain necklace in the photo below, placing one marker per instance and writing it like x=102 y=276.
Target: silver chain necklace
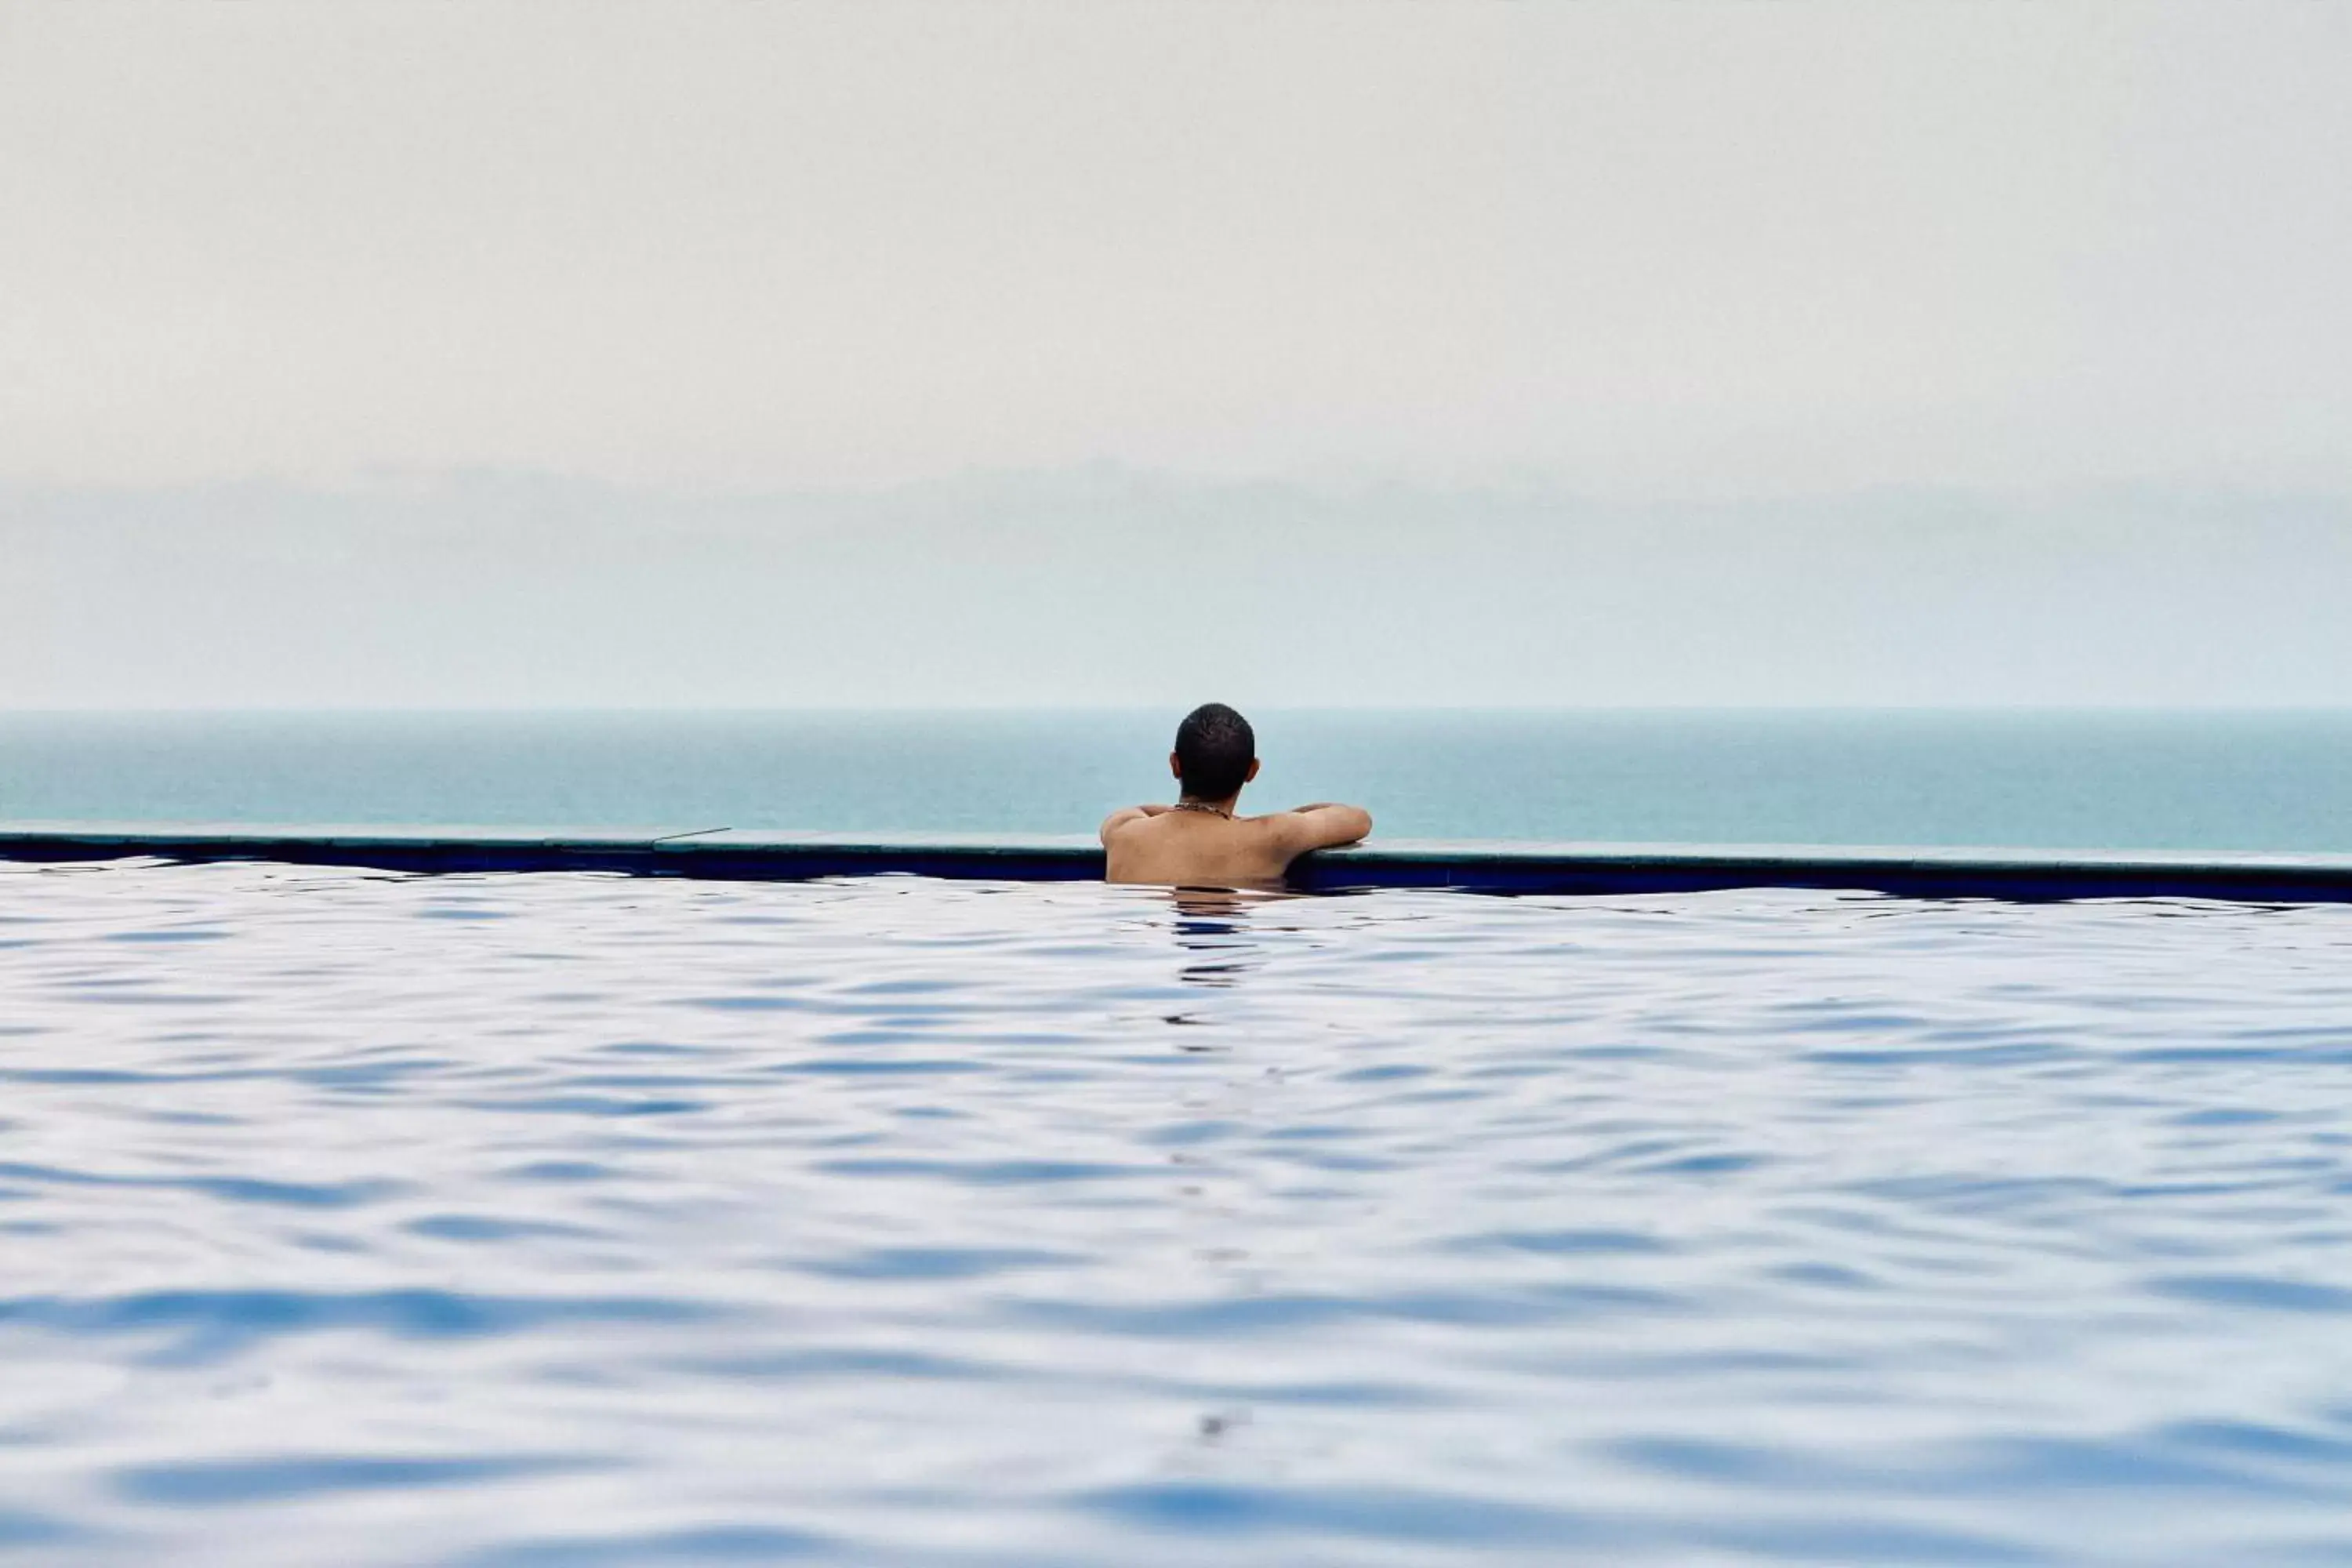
x=1202 y=805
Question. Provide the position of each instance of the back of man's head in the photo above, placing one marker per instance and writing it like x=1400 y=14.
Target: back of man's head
x=1214 y=748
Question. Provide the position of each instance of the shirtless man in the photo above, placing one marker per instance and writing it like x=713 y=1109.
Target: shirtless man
x=1198 y=842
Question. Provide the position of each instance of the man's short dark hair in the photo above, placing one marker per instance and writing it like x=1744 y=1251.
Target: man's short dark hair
x=1214 y=747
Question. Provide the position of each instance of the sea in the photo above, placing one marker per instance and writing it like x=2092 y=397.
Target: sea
x=525 y=1220
x=2059 y=779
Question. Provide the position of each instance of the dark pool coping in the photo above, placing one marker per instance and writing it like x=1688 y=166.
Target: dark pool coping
x=1480 y=866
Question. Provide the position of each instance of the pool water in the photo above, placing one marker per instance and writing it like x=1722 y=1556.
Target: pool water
x=357 y=1218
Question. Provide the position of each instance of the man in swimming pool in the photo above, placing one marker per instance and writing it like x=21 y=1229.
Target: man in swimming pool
x=1198 y=842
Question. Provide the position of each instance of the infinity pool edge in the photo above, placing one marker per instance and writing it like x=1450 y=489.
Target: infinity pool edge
x=1478 y=866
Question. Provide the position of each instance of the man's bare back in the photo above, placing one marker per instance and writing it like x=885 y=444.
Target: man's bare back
x=1198 y=842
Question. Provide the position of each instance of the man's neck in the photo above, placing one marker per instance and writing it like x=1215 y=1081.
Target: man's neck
x=1196 y=802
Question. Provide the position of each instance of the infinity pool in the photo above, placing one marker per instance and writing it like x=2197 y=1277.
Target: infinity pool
x=565 y=1219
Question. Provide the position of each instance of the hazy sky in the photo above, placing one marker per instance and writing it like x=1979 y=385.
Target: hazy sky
x=1552 y=278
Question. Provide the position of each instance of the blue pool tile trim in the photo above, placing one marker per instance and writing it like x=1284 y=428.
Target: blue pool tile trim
x=1478 y=866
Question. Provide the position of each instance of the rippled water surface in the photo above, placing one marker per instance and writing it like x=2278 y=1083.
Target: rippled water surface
x=561 y=1219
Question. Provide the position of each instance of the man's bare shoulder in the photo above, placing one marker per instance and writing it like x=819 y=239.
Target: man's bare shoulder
x=1124 y=823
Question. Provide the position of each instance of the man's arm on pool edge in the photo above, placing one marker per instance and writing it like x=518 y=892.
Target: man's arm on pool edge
x=1324 y=825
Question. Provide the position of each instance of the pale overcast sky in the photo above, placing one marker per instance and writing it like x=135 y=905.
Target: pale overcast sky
x=275 y=279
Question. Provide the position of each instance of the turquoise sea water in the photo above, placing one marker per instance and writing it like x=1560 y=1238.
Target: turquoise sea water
x=2112 y=780
x=553 y=1220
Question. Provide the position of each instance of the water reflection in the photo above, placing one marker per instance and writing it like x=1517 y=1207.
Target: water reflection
x=1215 y=923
